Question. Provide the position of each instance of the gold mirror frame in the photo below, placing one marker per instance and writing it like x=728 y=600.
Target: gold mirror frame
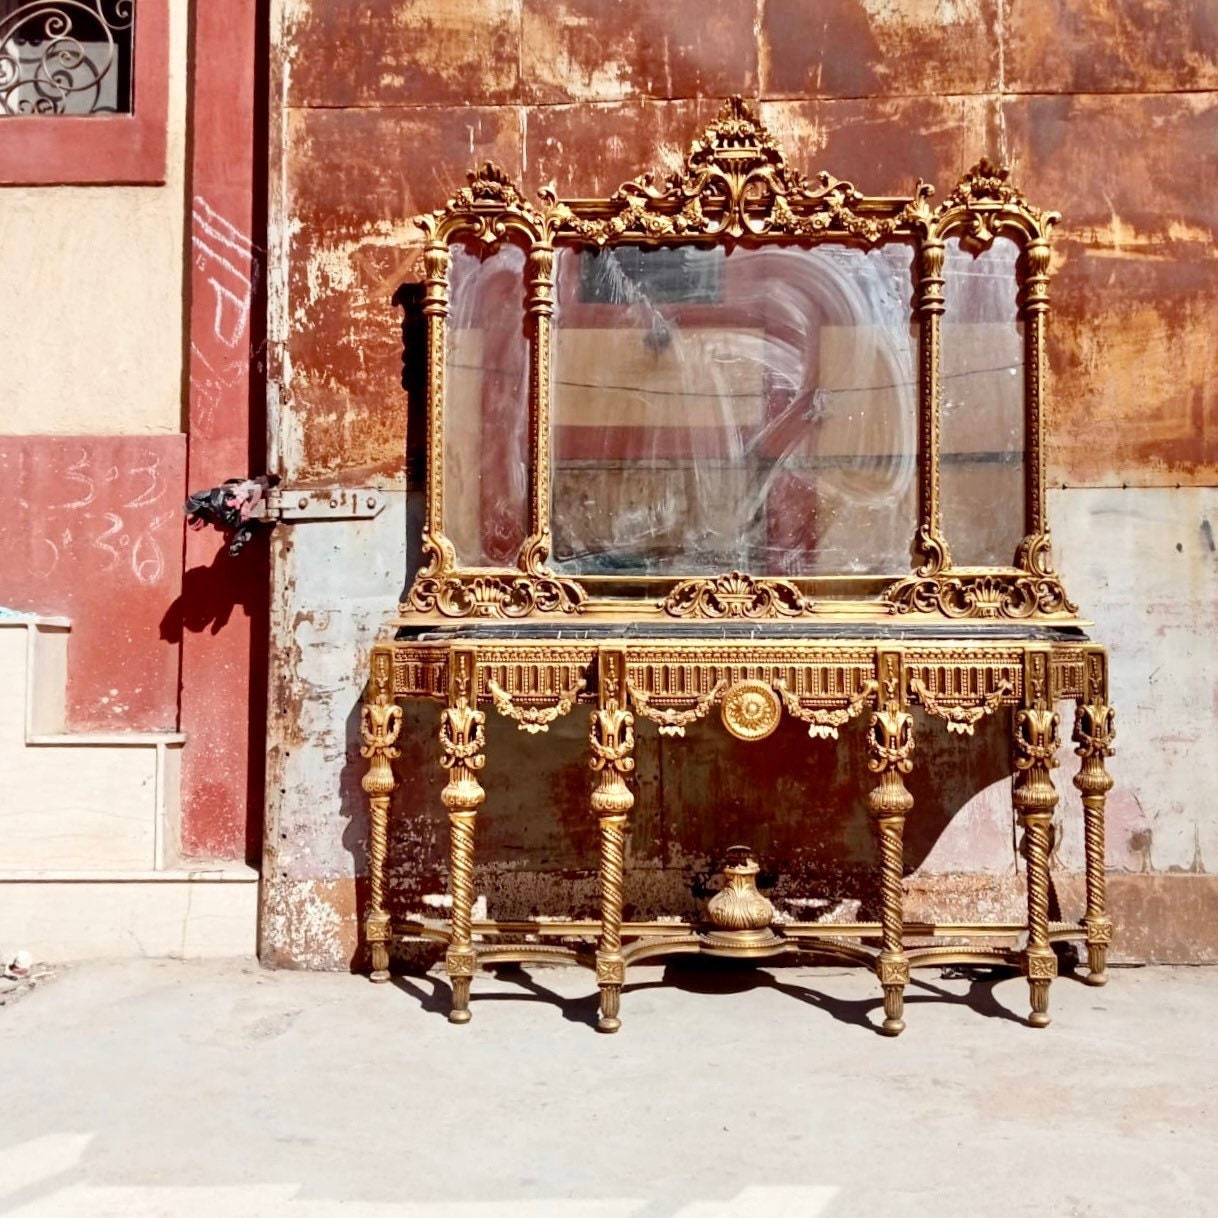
x=735 y=186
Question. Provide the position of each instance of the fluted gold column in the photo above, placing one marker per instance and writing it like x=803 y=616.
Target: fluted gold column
x=380 y=723
x=462 y=739
x=1037 y=740
x=1094 y=732
x=890 y=744
x=612 y=743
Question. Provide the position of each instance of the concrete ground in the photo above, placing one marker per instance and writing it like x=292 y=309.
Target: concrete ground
x=162 y=1088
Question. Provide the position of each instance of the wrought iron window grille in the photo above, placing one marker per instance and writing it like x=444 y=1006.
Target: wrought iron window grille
x=66 y=57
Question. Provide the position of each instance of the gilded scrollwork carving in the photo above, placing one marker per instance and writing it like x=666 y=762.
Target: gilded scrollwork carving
x=735 y=595
x=960 y=717
x=990 y=595
x=824 y=722
x=985 y=202
x=672 y=720
x=735 y=183
x=508 y=596
x=533 y=718
x=486 y=208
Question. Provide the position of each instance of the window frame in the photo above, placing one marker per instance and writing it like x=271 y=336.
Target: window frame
x=100 y=149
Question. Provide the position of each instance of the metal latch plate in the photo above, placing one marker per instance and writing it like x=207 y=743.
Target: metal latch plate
x=290 y=504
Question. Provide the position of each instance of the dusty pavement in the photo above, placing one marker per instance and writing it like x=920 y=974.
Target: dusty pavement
x=163 y=1088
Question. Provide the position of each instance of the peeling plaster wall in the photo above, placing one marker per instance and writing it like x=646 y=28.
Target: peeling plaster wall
x=109 y=261
x=92 y=455
x=1108 y=111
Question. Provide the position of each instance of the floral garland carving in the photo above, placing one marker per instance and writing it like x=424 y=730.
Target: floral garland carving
x=534 y=719
x=823 y=722
x=960 y=719
x=673 y=721
x=734 y=595
x=981 y=596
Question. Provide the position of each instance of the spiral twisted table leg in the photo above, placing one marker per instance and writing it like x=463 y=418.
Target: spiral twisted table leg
x=1096 y=920
x=1094 y=732
x=610 y=970
x=376 y=922
x=462 y=739
x=612 y=742
x=1036 y=744
x=890 y=745
x=380 y=723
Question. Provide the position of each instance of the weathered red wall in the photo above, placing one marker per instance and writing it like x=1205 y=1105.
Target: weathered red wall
x=1106 y=110
x=91 y=529
x=224 y=627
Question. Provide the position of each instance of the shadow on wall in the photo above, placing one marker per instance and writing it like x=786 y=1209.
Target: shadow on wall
x=211 y=594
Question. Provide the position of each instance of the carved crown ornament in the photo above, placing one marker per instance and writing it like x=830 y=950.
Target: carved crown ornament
x=735 y=187
x=735 y=184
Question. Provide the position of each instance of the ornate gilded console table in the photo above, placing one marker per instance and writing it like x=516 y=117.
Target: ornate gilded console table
x=739 y=444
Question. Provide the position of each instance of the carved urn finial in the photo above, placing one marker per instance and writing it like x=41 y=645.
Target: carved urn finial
x=739 y=906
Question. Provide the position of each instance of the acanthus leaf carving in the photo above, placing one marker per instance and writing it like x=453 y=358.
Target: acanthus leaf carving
x=735 y=183
x=735 y=595
x=1000 y=595
x=510 y=596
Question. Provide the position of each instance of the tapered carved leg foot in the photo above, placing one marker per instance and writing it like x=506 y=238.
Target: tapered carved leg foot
x=612 y=742
x=890 y=744
x=380 y=723
x=1037 y=740
x=462 y=739
x=376 y=932
x=460 y=985
x=611 y=1004
x=1094 y=732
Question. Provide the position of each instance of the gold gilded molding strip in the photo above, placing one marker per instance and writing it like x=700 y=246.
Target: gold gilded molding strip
x=931 y=303
x=535 y=550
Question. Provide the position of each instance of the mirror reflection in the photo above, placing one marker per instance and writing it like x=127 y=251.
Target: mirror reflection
x=486 y=409
x=751 y=409
x=981 y=429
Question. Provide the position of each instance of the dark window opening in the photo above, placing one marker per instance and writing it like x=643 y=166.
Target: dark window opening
x=70 y=57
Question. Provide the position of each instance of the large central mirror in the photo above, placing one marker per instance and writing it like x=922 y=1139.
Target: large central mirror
x=734 y=409
x=737 y=391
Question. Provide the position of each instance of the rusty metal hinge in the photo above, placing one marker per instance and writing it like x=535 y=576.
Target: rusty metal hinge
x=293 y=505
